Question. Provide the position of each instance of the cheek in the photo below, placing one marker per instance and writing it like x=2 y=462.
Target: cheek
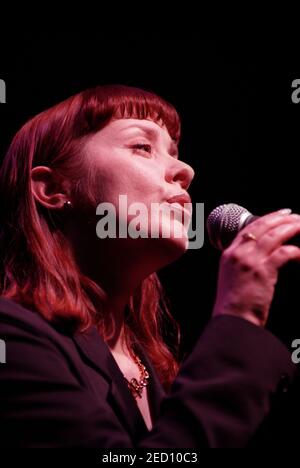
x=108 y=179
x=145 y=182
x=141 y=183
x=122 y=174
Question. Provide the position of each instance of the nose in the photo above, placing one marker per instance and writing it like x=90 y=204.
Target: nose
x=180 y=172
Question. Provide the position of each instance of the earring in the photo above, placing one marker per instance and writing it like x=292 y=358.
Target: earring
x=68 y=205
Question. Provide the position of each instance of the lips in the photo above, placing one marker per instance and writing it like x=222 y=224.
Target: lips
x=181 y=202
x=181 y=198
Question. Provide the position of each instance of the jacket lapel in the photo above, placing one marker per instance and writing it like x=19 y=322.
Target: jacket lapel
x=99 y=356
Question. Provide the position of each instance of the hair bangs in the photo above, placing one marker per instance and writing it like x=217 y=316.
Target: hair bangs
x=115 y=101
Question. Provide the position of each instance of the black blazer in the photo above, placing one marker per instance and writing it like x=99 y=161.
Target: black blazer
x=60 y=390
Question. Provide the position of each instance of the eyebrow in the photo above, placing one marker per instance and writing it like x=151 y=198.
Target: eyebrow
x=153 y=133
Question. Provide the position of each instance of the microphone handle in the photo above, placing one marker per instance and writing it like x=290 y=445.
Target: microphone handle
x=227 y=236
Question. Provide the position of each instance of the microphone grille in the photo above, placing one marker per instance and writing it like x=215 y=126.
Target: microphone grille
x=224 y=222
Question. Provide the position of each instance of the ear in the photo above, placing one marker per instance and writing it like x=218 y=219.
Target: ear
x=48 y=188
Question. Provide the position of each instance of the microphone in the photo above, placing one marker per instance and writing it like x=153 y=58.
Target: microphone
x=224 y=223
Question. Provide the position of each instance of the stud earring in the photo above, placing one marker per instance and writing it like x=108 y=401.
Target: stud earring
x=68 y=205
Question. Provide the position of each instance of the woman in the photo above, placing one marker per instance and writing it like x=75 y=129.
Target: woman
x=85 y=320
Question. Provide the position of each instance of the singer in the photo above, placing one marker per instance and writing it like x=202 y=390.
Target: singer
x=87 y=361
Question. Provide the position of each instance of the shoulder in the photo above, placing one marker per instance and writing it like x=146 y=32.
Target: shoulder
x=16 y=319
x=27 y=334
x=16 y=314
x=34 y=347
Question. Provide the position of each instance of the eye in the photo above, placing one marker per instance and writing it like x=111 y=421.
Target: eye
x=143 y=148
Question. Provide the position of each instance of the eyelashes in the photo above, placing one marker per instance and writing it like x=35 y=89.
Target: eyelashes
x=147 y=149
x=143 y=148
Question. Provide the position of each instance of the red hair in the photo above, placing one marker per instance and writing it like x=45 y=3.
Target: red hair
x=39 y=270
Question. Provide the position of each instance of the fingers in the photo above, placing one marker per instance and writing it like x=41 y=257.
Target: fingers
x=264 y=224
x=283 y=255
x=273 y=238
x=249 y=269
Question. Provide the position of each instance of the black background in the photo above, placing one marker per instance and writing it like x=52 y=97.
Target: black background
x=241 y=133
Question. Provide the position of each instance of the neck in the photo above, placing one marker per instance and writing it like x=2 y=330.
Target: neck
x=116 y=267
x=118 y=281
x=115 y=310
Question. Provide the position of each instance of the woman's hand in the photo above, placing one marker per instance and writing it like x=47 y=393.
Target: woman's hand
x=249 y=268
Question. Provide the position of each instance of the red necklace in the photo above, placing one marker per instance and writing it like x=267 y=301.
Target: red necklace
x=136 y=387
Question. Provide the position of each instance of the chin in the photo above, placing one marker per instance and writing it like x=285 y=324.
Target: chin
x=170 y=248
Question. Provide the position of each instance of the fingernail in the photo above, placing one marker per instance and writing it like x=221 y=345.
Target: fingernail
x=285 y=211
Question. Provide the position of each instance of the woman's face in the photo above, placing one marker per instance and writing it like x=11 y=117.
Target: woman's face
x=138 y=158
